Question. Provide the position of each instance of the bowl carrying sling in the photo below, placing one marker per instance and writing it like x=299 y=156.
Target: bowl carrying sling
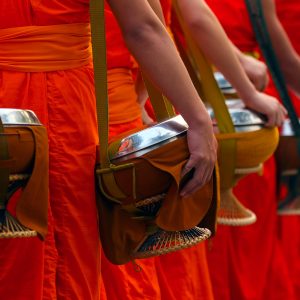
x=240 y=151
x=288 y=152
x=140 y=211
x=23 y=166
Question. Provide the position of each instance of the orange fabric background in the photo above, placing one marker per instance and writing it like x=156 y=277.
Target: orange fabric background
x=288 y=12
x=250 y=261
x=118 y=55
x=235 y=21
x=64 y=102
x=183 y=274
x=289 y=226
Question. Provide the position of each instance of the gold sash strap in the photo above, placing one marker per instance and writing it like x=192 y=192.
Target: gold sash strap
x=45 y=48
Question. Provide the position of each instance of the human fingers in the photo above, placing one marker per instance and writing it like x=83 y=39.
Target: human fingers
x=281 y=115
x=276 y=115
x=272 y=119
x=201 y=176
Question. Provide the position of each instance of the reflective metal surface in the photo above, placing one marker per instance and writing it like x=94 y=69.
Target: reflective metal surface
x=150 y=138
x=241 y=117
x=11 y=116
x=286 y=129
x=224 y=84
x=235 y=103
x=153 y=137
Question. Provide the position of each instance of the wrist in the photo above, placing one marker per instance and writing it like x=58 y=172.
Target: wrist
x=201 y=120
x=247 y=95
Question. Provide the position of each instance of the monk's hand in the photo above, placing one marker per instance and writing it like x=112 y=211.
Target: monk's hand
x=269 y=106
x=203 y=155
x=256 y=72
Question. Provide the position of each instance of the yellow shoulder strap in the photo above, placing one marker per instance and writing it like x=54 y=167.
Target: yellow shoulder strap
x=214 y=96
x=162 y=106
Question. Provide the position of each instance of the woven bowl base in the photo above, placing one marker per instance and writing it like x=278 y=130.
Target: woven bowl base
x=232 y=212
x=11 y=228
x=163 y=242
x=150 y=206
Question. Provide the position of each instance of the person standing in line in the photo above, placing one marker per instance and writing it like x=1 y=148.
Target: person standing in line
x=188 y=277
x=124 y=115
x=45 y=66
x=255 y=247
x=283 y=28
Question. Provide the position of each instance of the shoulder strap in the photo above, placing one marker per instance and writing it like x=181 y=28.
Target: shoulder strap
x=258 y=22
x=99 y=58
x=214 y=96
x=162 y=107
x=97 y=20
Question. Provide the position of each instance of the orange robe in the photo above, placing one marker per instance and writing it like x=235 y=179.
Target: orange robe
x=64 y=102
x=289 y=226
x=124 y=282
x=183 y=274
x=288 y=12
x=248 y=262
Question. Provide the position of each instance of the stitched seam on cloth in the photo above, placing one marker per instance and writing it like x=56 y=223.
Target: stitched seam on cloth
x=58 y=183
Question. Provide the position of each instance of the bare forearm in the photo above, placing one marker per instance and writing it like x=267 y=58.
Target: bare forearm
x=212 y=40
x=155 y=5
x=154 y=50
x=287 y=56
x=156 y=53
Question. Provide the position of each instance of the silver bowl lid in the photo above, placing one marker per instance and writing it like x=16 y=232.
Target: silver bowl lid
x=10 y=116
x=287 y=129
x=235 y=103
x=242 y=118
x=146 y=140
x=149 y=138
x=224 y=84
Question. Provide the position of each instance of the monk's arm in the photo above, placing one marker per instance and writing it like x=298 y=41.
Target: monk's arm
x=156 y=7
x=255 y=69
x=140 y=86
x=287 y=56
x=212 y=40
x=152 y=47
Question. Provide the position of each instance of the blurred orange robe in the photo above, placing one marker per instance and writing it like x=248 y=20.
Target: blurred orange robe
x=248 y=262
x=289 y=226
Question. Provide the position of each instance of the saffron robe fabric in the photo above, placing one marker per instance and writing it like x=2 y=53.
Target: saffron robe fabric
x=125 y=281
x=67 y=266
x=248 y=262
x=288 y=12
x=183 y=274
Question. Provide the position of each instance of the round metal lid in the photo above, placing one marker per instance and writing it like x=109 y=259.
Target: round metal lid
x=242 y=118
x=224 y=84
x=10 y=116
x=149 y=138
